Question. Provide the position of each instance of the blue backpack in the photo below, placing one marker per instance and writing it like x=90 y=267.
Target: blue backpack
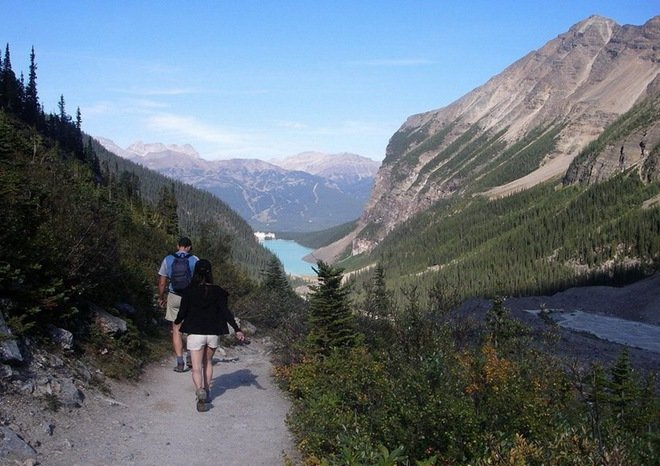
x=181 y=273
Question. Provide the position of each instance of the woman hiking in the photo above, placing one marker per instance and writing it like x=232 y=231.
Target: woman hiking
x=204 y=315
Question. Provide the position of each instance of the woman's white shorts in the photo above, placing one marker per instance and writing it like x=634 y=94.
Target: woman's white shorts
x=197 y=342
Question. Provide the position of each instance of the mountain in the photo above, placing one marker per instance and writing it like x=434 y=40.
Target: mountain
x=340 y=168
x=307 y=192
x=523 y=127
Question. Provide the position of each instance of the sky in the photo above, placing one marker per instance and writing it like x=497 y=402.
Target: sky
x=268 y=79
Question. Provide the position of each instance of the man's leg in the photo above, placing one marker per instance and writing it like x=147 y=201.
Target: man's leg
x=173 y=303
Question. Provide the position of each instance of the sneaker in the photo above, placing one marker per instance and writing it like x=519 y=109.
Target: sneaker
x=180 y=368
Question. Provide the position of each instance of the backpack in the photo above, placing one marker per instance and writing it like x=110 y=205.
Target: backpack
x=181 y=274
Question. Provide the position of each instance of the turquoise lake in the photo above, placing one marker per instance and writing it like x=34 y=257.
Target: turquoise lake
x=291 y=255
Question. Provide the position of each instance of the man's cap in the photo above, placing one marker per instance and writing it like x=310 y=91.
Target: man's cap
x=184 y=241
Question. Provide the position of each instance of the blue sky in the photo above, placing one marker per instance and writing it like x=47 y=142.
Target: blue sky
x=267 y=79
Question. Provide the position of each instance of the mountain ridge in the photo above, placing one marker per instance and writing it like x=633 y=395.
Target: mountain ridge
x=560 y=97
x=310 y=191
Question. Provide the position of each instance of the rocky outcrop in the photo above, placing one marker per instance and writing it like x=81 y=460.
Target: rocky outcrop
x=524 y=126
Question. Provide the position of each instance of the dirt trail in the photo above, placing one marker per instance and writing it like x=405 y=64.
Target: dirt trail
x=155 y=422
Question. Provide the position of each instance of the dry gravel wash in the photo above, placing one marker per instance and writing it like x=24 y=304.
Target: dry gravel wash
x=156 y=422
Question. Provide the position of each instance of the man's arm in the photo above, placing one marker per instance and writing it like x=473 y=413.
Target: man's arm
x=162 y=288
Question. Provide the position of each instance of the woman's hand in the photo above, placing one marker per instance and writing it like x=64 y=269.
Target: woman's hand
x=240 y=336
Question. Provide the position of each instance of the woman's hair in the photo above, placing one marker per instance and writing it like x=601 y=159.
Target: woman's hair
x=203 y=272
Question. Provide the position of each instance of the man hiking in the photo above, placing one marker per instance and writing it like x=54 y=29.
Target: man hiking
x=174 y=276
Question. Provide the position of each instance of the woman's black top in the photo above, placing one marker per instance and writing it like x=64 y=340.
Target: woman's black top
x=204 y=311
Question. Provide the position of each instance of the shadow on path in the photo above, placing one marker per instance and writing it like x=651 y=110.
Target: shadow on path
x=233 y=380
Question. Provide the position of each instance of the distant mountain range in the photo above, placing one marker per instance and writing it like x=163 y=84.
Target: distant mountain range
x=306 y=192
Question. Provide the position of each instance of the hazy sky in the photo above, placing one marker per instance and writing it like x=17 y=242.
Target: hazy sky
x=264 y=79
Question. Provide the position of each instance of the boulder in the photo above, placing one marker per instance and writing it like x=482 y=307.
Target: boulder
x=14 y=450
x=61 y=337
x=108 y=323
x=9 y=352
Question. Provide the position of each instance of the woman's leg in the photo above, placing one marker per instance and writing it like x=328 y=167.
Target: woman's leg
x=208 y=366
x=196 y=357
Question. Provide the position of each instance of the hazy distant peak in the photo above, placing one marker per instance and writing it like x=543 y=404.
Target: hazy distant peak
x=144 y=149
x=330 y=165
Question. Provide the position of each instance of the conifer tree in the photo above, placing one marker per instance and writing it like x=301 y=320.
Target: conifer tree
x=274 y=277
x=10 y=95
x=332 y=325
x=623 y=386
x=279 y=301
x=378 y=302
x=32 y=110
x=167 y=210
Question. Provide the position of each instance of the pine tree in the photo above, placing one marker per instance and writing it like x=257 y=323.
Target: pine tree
x=10 y=92
x=274 y=277
x=332 y=325
x=378 y=302
x=279 y=301
x=623 y=387
x=32 y=111
x=167 y=210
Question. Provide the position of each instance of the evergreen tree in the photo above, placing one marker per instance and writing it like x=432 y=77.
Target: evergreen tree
x=32 y=111
x=278 y=301
x=10 y=92
x=167 y=210
x=332 y=325
x=274 y=277
x=378 y=301
x=61 y=106
x=624 y=389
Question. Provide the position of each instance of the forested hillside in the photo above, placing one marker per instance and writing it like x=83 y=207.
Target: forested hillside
x=197 y=209
x=86 y=231
x=541 y=240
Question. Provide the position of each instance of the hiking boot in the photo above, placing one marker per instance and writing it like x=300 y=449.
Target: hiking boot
x=202 y=395
x=202 y=407
x=180 y=368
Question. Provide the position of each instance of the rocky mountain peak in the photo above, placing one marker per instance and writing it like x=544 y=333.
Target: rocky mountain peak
x=539 y=113
x=593 y=26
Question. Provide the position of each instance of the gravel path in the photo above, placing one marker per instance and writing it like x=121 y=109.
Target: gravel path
x=155 y=422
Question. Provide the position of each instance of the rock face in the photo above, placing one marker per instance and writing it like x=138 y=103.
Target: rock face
x=524 y=126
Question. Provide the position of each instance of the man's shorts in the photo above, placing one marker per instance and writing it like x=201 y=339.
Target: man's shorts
x=197 y=342
x=173 y=304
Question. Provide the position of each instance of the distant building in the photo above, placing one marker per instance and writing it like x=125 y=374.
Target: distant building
x=262 y=236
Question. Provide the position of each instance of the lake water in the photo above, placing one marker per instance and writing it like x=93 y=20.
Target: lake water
x=291 y=255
